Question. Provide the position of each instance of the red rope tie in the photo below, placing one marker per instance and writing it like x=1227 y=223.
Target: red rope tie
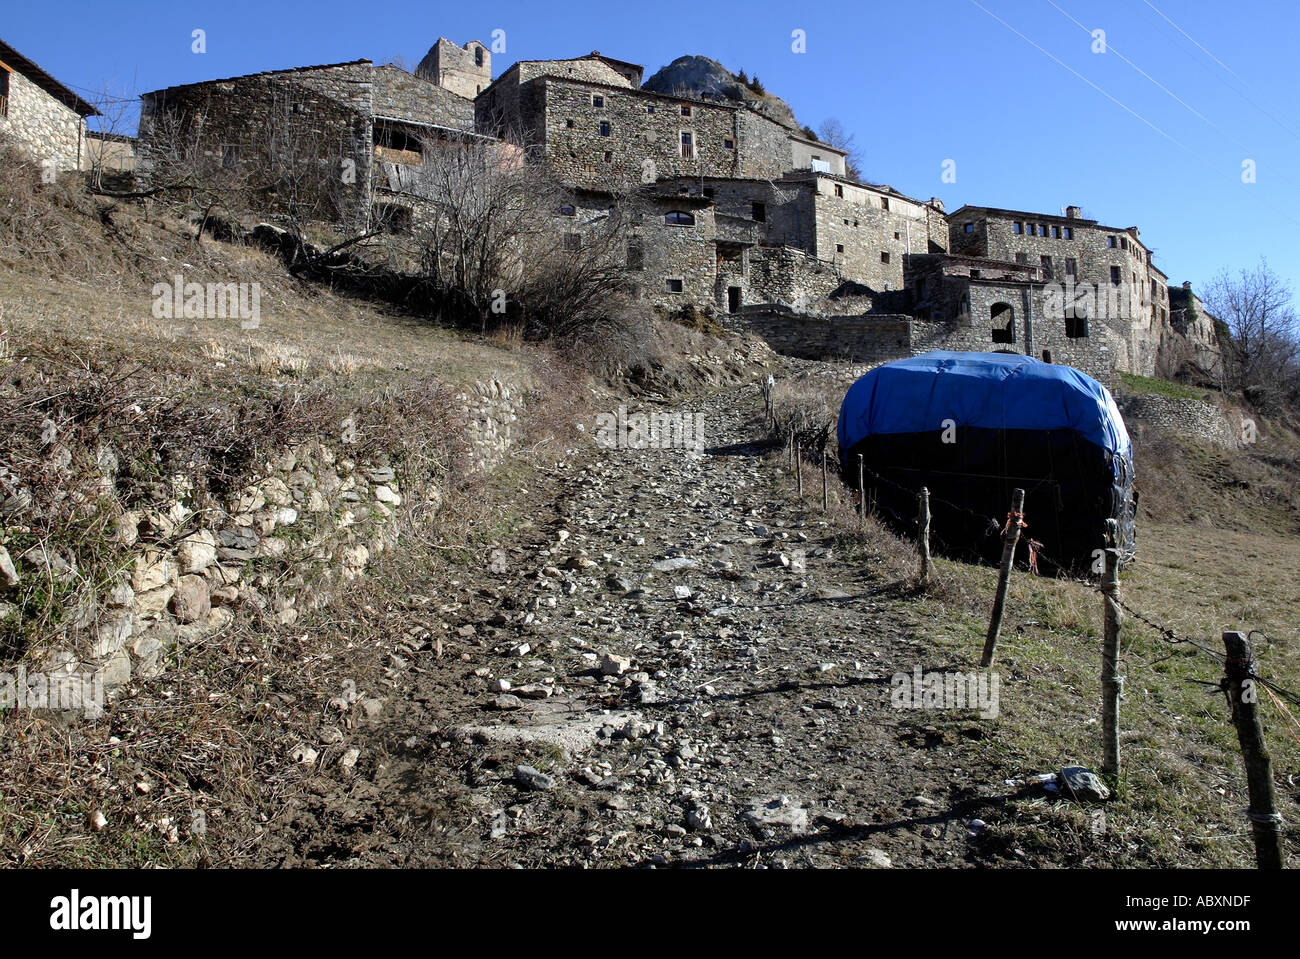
x=1014 y=517
x=1034 y=547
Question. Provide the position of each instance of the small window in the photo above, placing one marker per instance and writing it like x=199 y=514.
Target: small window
x=604 y=128
x=650 y=108
x=758 y=212
x=568 y=124
x=673 y=285
x=897 y=235
x=728 y=144
x=839 y=190
x=1047 y=267
x=679 y=218
x=597 y=100
x=572 y=242
x=688 y=145
x=686 y=110
x=884 y=256
x=1114 y=276
x=478 y=56
x=1017 y=228
x=4 y=91
x=1069 y=233
x=1111 y=242
x=1123 y=243
x=1076 y=327
x=568 y=209
x=1030 y=229
x=968 y=227
x=884 y=203
x=1056 y=233
x=839 y=247
x=609 y=156
x=1071 y=266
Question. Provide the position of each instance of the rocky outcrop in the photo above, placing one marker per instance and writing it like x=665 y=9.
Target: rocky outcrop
x=702 y=77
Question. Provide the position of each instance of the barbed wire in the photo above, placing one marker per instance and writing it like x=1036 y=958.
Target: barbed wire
x=1166 y=632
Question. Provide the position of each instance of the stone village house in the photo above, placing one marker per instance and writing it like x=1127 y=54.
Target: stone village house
x=43 y=116
x=737 y=211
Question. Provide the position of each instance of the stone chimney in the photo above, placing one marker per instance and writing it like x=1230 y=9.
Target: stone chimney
x=1187 y=284
x=936 y=203
x=1074 y=213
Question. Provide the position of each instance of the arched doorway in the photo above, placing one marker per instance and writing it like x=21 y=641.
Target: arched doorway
x=1004 y=323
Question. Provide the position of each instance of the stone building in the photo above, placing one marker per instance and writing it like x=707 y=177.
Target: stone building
x=41 y=114
x=349 y=127
x=465 y=71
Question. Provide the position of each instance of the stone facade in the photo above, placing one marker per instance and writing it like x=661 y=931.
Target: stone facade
x=42 y=115
x=1183 y=417
x=465 y=71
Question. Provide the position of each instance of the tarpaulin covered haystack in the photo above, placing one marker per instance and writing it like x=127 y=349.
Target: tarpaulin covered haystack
x=971 y=427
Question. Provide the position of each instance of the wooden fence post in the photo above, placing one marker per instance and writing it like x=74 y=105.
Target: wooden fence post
x=1010 y=537
x=862 y=490
x=791 y=447
x=1243 y=689
x=825 y=493
x=1111 y=682
x=798 y=471
x=923 y=533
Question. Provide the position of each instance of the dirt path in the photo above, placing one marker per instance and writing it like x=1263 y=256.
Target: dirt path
x=695 y=676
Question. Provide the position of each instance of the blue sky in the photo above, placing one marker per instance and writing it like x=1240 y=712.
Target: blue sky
x=1004 y=88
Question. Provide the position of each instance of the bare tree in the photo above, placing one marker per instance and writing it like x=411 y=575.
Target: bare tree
x=833 y=132
x=1263 y=355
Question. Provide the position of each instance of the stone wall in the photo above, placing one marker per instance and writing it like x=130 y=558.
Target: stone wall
x=46 y=127
x=601 y=137
x=308 y=523
x=464 y=71
x=1184 y=417
x=404 y=96
x=789 y=277
x=857 y=339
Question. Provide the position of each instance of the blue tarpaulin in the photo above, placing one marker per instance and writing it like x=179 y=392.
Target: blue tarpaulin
x=983 y=390
x=971 y=428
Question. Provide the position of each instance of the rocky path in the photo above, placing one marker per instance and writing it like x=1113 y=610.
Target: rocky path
x=680 y=668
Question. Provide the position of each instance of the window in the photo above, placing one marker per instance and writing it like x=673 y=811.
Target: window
x=568 y=124
x=1004 y=323
x=1069 y=233
x=673 y=285
x=758 y=212
x=679 y=218
x=975 y=274
x=1047 y=267
x=897 y=235
x=884 y=203
x=686 y=110
x=1056 y=233
x=1111 y=242
x=597 y=100
x=609 y=156
x=1114 y=276
x=1022 y=258
x=568 y=209
x=728 y=144
x=650 y=108
x=839 y=190
x=1017 y=228
x=1076 y=327
x=1123 y=243
x=1071 y=266
x=688 y=145
x=478 y=56
x=604 y=128
x=572 y=242
x=884 y=256
x=968 y=227
x=4 y=91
